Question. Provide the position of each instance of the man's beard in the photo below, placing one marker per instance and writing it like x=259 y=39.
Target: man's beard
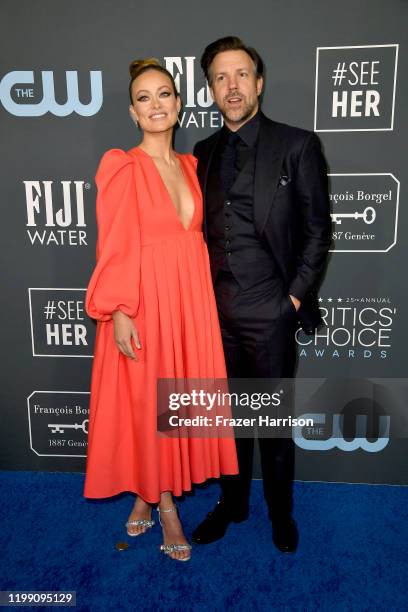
x=246 y=112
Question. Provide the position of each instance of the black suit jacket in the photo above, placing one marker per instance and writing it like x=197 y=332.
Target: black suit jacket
x=291 y=207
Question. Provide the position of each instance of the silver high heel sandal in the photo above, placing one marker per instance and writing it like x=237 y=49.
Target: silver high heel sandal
x=170 y=548
x=139 y=523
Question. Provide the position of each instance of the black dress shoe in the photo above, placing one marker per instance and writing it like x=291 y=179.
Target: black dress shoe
x=215 y=525
x=285 y=536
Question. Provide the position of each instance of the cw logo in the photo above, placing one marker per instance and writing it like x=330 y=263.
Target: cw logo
x=23 y=108
x=337 y=440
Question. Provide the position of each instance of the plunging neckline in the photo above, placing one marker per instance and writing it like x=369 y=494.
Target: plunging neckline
x=179 y=157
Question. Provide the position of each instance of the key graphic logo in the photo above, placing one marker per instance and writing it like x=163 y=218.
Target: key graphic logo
x=364 y=212
x=58 y=423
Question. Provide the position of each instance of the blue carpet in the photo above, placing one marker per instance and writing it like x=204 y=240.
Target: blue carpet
x=352 y=553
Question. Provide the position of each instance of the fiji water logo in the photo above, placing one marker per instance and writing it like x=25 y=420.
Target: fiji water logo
x=19 y=94
x=198 y=105
x=56 y=212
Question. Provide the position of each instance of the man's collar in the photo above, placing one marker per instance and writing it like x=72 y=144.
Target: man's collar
x=249 y=131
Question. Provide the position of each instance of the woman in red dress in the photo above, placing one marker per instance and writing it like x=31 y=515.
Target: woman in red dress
x=152 y=295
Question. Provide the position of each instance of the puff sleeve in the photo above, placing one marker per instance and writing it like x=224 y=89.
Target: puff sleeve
x=194 y=160
x=114 y=284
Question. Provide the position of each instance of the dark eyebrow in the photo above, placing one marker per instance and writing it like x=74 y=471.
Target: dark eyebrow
x=236 y=70
x=147 y=91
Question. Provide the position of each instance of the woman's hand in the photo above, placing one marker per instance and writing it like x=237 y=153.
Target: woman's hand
x=124 y=331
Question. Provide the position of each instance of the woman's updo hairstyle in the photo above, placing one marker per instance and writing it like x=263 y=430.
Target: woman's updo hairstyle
x=139 y=66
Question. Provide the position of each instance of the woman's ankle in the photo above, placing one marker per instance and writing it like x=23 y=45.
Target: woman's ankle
x=141 y=504
x=166 y=503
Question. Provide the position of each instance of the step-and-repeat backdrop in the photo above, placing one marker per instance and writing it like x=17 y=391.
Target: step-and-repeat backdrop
x=338 y=68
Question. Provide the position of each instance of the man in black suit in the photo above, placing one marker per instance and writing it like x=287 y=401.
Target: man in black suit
x=267 y=225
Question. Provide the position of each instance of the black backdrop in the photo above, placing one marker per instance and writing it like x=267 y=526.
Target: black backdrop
x=337 y=68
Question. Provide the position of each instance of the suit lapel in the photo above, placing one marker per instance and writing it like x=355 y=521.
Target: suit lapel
x=269 y=157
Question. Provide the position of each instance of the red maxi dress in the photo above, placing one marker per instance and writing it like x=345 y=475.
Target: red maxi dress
x=156 y=271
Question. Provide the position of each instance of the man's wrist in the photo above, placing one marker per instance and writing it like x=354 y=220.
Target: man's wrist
x=295 y=300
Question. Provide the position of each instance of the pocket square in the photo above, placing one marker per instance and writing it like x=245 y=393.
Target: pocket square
x=284 y=180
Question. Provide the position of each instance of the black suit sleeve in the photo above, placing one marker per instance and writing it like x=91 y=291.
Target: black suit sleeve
x=196 y=149
x=315 y=221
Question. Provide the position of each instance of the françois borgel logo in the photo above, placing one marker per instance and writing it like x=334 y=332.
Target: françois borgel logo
x=59 y=324
x=56 y=212
x=365 y=212
x=24 y=93
x=58 y=423
x=355 y=88
x=195 y=94
x=354 y=328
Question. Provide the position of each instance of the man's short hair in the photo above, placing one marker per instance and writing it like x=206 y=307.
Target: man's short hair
x=229 y=43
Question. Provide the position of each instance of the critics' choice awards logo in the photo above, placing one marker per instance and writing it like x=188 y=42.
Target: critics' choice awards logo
x=355 y=88
x=59 y=324
x=354 y=328
x=56 y=213
x=24 y=93
x=365 y=212
x=195 y=94
x=58 y=423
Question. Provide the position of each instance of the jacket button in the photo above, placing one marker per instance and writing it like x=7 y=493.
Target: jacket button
x=229 y=253
x=227 y=203
x=227 y=227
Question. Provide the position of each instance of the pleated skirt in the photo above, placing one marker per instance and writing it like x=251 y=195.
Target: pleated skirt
x=180 y=337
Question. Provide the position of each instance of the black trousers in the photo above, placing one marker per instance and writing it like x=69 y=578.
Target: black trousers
x=258 y=327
